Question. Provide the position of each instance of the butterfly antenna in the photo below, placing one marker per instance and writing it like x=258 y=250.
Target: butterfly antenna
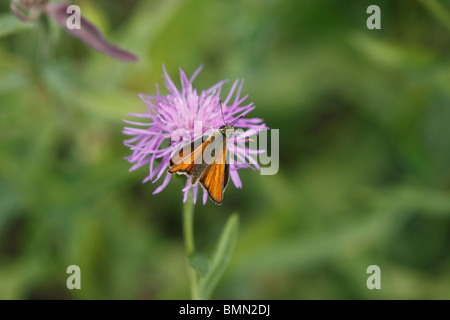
x=236 y=120
x=221 y=111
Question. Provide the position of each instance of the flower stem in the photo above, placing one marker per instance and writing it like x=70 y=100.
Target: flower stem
x=188 y=230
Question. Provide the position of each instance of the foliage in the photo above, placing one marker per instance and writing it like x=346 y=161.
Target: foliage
x=364 y=151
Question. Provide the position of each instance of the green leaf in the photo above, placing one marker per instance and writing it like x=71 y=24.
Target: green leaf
x=9 y=23
x=221 y=257
x=200 y=263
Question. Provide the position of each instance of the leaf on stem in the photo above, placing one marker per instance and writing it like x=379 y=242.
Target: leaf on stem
x=200 y=263
x=221 y=257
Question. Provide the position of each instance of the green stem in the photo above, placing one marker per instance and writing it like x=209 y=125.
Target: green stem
x=188 y=230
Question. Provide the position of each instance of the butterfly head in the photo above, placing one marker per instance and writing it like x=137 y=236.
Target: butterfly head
x=227 y=130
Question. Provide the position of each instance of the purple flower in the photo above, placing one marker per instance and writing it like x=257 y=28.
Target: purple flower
x=180 y=110
x=87 y=32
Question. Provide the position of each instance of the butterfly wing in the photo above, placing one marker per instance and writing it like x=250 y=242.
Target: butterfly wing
x=184 y=160
x=211 y=152
x=190 y=160
x=216 y=176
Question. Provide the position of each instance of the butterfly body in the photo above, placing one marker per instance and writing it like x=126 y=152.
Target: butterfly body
x=205 y=160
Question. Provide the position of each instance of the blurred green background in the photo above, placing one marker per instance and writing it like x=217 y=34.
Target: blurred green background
x=364 y=119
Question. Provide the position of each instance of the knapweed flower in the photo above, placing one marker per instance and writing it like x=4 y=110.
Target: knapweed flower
x=181 y=111
x=30 y=10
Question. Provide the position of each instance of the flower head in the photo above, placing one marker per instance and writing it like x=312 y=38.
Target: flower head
x=61 y=12
x=181 y=110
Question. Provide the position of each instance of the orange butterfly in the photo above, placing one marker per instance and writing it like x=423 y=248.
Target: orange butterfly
x=206 y=160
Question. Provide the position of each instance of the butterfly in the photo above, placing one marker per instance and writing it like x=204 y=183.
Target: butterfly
x=205 y=160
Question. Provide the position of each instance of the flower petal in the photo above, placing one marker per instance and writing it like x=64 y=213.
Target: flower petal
x=205 y=196
x=194 y=75
x=230 y=94
x=194 y=193
x=169 y=83
x=235 y=178
x=88 y=33
x=186 y=191
x=164 y=184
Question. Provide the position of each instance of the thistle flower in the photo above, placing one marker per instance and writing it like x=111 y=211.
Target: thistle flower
x=179 y=111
